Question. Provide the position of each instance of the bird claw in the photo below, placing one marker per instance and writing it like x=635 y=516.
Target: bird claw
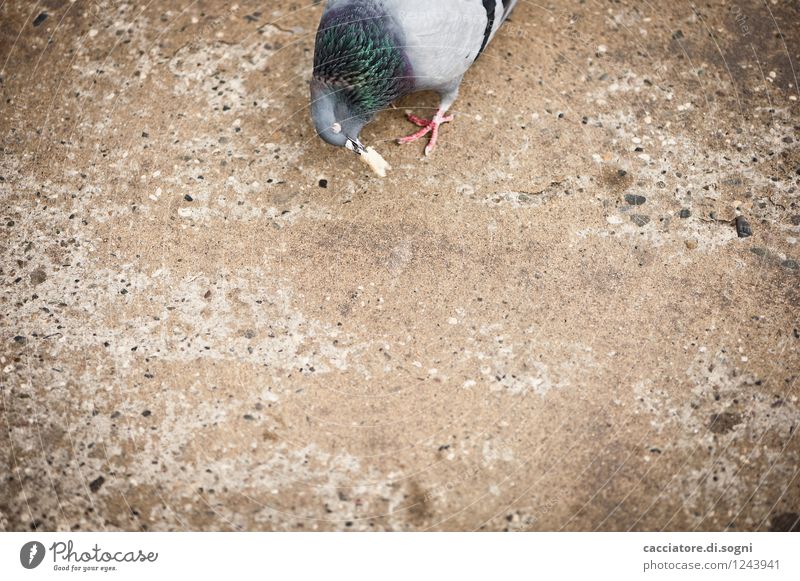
x=428 y=126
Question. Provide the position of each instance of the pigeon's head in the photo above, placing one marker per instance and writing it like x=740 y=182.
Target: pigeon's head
x=334 y=119
x=359 y=70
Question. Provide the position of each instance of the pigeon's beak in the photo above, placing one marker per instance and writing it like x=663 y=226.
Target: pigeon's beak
x=355 y=146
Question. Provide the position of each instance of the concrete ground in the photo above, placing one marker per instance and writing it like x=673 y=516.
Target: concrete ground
x=211 y=320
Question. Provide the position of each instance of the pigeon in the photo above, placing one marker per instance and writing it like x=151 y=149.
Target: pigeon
x=369 y=53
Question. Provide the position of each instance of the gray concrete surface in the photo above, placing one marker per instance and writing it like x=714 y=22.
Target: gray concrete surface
x=551 y=324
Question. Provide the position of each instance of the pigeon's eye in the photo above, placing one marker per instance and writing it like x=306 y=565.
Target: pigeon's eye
x=336 y=128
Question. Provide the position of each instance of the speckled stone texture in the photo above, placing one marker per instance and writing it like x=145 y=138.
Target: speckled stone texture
x=210 y=320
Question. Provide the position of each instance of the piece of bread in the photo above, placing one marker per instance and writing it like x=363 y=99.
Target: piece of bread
x=375 y=161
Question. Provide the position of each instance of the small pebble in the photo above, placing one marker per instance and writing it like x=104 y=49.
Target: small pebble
x=38 y=276
x=635 y=199
x=41 y=18
x=743 y=229
x=188 y=198
x=691 y=243
x=640 y=219
x=684 y=213
x=95 y=484
x=323 y=183
x=790 y=264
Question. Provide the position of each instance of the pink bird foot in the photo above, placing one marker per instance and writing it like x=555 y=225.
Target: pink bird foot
x=428 y=126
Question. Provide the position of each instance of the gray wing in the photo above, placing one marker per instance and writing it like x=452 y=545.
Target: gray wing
x=444 y=37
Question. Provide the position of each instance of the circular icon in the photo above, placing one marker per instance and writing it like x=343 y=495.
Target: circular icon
x=31 y=554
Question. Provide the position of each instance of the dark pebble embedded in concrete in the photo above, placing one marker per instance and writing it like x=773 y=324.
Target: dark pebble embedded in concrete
x=146 y=413
x=743 y=229
x=323 y=183
x=38 y=276
x=20 y=339
x=684 y=213
x=795 y=220
x=790 y=264
x=41 y=18
x=640 y=219
x=95 y=484
x=188 y=198
x=724 y=422
x=635 y=199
